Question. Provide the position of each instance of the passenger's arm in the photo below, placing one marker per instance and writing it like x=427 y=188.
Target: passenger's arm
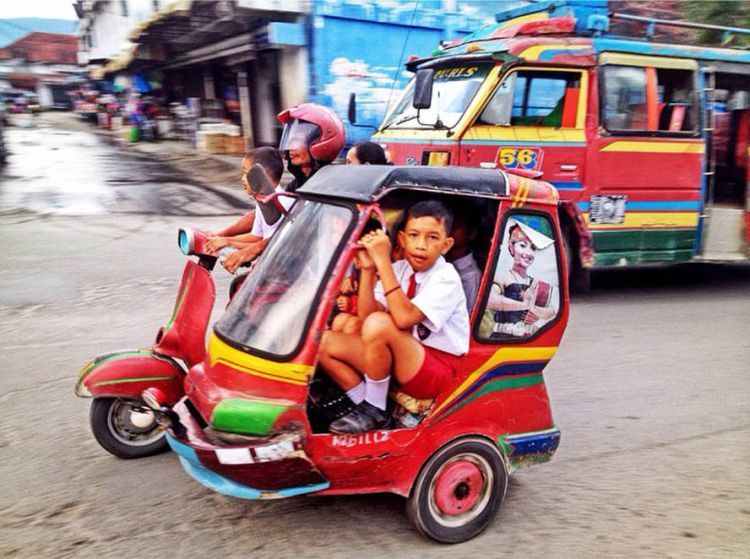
x=404 y=313
x=242 y=225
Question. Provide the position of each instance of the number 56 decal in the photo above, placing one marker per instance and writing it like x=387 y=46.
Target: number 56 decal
x=520 y=158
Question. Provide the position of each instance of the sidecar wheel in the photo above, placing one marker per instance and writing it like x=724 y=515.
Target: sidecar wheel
x=459 y=491
x=112 y=422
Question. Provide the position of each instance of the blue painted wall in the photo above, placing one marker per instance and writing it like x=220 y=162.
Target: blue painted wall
x=361 y=47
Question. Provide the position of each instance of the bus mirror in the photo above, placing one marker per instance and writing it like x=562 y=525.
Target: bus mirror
x=352 y=113
x=423 y=89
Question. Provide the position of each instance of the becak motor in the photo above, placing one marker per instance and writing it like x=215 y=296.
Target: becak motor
x=254 y=422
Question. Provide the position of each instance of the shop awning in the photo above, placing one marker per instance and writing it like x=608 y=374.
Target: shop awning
x=174 y=10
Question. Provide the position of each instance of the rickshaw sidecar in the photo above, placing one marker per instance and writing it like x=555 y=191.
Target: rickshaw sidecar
x=249 y=427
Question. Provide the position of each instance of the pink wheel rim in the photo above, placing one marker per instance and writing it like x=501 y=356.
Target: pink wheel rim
x=458 y=488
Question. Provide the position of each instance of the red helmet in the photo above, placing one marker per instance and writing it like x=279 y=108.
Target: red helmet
x=314 y=126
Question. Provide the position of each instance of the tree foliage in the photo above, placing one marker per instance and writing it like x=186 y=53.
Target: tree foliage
x=728 y=13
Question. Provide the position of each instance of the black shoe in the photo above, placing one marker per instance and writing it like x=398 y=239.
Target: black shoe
x=364 y=417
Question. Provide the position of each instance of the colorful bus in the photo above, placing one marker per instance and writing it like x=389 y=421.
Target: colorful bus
x=647 y=143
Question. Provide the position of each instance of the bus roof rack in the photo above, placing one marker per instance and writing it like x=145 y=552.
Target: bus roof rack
x=653 y=22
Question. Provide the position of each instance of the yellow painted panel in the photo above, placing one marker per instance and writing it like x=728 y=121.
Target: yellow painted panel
x=220 y=352
x=642 y=60
x=655 y=147
x=637 y=220
x=532 y=53
x=525 y=134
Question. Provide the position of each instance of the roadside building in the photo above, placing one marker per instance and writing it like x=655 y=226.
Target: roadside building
x=245 y=60
x=42 y=63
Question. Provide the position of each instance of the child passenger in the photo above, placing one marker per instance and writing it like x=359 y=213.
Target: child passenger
x=415 y=324
x=251 y=245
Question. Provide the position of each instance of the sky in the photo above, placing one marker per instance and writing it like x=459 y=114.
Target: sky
x=56 y=9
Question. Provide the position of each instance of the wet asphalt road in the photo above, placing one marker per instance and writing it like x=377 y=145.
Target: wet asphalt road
x=71 y=171
x=649 y=389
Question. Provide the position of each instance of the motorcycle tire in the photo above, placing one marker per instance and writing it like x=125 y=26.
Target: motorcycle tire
x=112 y=424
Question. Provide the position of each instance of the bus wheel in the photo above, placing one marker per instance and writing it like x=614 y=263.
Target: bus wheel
x=579 y=278
x=459 y=491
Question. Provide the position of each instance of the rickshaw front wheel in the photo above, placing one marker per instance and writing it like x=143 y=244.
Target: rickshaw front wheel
x=459 y=490
x=126 y=427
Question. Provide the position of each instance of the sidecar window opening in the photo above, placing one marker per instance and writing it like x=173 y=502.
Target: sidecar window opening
x=270 y=314
x=327 y=401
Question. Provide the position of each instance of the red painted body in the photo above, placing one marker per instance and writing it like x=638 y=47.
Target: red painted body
x=128 y=373
x=376 y=461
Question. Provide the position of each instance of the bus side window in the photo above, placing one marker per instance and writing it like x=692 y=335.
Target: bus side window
x=534 y=98
x=524 y=295
x=624 y=106
x=676 y=94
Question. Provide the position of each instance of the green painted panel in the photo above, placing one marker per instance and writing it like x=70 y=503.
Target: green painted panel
x=245 y=416
x=618 y=248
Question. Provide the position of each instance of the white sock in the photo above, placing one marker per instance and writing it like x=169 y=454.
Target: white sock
x=377 y=391
x=357 y=394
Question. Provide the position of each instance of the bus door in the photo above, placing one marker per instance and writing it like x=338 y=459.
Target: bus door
x=645 y=166
x=534 y=119
x=726 y=88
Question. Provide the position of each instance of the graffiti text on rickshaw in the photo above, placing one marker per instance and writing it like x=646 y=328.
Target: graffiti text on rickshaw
x=364 y=438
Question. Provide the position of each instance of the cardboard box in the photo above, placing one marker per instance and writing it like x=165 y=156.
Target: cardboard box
x=234 y=145
x=214 y=143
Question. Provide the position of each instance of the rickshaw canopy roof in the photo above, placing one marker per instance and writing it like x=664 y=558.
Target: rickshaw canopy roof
x=367 y=183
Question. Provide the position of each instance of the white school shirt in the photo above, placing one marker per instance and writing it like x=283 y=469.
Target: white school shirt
x=441 y=299
x=260 y=227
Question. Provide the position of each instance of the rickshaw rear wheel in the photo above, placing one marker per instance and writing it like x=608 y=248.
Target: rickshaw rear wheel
x=459 y=490
x=126 y=427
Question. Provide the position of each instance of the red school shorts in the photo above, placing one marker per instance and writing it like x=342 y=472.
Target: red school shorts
x=437 y=372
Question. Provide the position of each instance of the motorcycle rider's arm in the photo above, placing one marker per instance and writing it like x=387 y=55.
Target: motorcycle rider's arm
x=242 y=225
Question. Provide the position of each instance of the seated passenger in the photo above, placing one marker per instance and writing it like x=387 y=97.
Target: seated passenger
x=415 y=325
x=251 y=245
x=464 y=232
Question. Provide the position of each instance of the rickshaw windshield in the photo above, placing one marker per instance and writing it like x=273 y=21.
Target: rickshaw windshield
x=270 y=311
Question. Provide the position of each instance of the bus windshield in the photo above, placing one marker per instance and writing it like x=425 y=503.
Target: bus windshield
x=452 y=90
x=271 y=309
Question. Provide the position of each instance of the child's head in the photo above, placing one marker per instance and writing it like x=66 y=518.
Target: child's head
x=464 y=232
x=425 y=236
x=268 y=158
x=366 y=153
x=521 y=247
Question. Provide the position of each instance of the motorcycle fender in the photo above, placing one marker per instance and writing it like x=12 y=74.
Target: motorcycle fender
x=184 y=336
x=129 y=373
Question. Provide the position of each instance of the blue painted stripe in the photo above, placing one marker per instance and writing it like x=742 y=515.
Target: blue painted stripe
x=653 y=206
x=550 y=54
x=567 y=185
x=183 y=450
x=424 y=142
x=510 y=369
x=504 y=143
x=533 y=444
x=700 y=53
x=191 y=464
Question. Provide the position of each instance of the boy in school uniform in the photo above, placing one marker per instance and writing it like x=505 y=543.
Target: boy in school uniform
x=251 y=245
x=415 y=323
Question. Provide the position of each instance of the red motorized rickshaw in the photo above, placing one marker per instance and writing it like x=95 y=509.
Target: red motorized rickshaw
x=254 y=422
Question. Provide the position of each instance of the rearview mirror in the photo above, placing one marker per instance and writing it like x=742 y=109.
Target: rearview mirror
x=423 y=89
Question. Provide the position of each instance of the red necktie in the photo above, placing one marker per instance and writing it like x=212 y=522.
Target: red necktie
x=412 y=291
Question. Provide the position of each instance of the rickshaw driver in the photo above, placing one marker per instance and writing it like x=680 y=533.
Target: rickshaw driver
x=421 y=334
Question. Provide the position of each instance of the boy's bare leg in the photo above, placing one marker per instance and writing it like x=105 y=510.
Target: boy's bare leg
x=339 y=322
x=387 y=349
x=341 y=356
